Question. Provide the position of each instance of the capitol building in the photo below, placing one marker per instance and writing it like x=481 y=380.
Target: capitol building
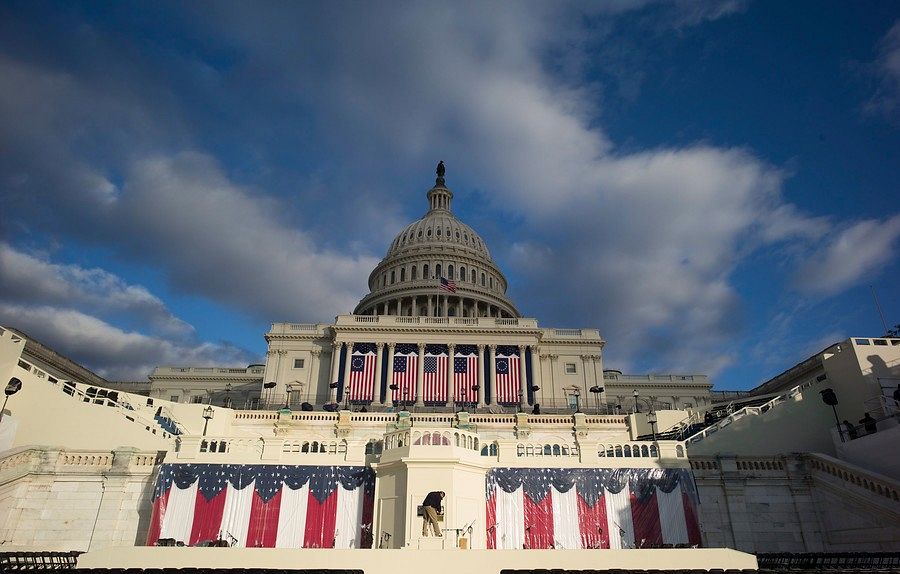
x=323 y=455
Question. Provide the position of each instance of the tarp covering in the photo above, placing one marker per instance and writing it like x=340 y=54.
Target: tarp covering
x=264 y=505
x=590 y=508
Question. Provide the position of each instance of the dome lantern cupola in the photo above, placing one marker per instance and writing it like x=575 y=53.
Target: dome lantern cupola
x=437 y=267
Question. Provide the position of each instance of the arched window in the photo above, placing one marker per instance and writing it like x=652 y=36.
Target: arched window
x=493 y=449
x=425 y=272
x=383 y=279
x=565 y=451
x=450 y=272
x=628 y=450
x=482 y=280
x=556 y=451
x=474 y=276
x=679 y=451
x=484 y=451
x=492 y=282
x=415 y=273
x=392 y=277
x=462 y=273
x=419 y=234
x=644 y=450
x=653 y=452
x=437 y=271
x=457 y=235
x=439 y=232
x=403 y=274
x=619 y=451
x=548 y=450
x=428 y=233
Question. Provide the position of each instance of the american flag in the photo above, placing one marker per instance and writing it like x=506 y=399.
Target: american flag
x=465 y=374
x=434 y=387
x=590 y=508
x=448 y=285
x=405 y=372
x=362 y=376
x=507 y=380
x=272 y=506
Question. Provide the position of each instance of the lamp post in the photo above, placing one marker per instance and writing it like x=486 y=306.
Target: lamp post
x=347 y=398
x=207 y=414
x=475 y=397
x=636 y=394
x=228 y=395
x=829 y=398
x=268 y=394
x=651 y=418
x=596 y=389
x=12 y=387
x=577 y=394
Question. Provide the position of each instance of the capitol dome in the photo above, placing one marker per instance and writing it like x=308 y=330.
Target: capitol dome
x=437 y=267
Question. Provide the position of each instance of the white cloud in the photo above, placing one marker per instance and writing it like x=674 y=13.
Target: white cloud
x=854 y=255
x=886 y=99
x=33 y=280
x=110 y=351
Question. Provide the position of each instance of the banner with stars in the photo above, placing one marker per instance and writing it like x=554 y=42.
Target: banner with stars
x=271 y=506
x=362 y=372
x=590 y=508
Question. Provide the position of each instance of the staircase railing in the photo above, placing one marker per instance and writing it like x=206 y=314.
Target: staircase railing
x=741 y=413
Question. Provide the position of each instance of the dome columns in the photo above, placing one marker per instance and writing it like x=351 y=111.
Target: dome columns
x=437 y=305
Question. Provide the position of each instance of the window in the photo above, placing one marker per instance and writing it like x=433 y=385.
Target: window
x=392 y=277
x=439 y=232
x=492 y=282
x=174 y=398
x=482 y=280
x=419 y=234
x=449 y=272
x=437 y=270
x=298 y=363
x=572 y=400
x=462 y=273
x=428 y=233
x=570 y=369
x=415 y=273
x=425 y=272
x=197 y=399
x=457 y=235
x=403 y=274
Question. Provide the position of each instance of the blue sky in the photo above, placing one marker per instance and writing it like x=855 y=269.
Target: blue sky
x=713 y=185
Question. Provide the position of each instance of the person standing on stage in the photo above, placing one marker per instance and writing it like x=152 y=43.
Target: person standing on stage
x=431 y=508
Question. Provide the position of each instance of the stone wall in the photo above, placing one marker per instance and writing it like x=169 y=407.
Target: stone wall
x=75 y=500
x=795 y=503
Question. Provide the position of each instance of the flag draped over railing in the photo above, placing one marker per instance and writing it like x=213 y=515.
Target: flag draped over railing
x=269 y=506
x=574 y=508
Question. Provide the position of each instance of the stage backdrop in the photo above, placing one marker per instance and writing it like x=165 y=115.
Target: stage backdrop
x=590 y=508
x=264 y=505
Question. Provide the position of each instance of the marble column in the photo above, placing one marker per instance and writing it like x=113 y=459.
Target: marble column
x=536 y=371
x=430 y=307
x=553 y=366
x=523 y=381
x=420 y=376
x=313 y=377
x=389 y=394
x=585 y=392
x=335 y=365
x=399 y=304
x=450 y=349
x=376 y=383
x=493 y=365
x=445 y=312
x=459 y=307
x=346 y=372
x=480 y=375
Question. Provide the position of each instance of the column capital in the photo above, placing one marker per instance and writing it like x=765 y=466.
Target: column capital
x=336 y=344
x=282 y=352
x=379 y=346
x=492 y=347
x=451 y=346
x=392 y=346
x=481 y=347
x=315 y=352
x=421 y=347
x=522 y=348
x=553 y=356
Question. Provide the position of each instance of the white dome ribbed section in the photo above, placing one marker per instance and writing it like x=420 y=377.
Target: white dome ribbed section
x=437 y=267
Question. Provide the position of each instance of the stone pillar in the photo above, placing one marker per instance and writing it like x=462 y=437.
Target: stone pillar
x=493 y=371
x=346 y=371
x=553 y=362
x=388 y=397
x=430 y=307
x=536 y=371
x=523 y=382
x=384 y=308
x=376 y=383
x=445 y=312
x=584 y=376
x=313 y=378
x=335 y=365
x=459 y=307
x=450 y=349
x=480 y=375
x=399 y=306
x=420 y=367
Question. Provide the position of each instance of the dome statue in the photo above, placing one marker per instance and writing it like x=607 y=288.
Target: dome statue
x=437 y=266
